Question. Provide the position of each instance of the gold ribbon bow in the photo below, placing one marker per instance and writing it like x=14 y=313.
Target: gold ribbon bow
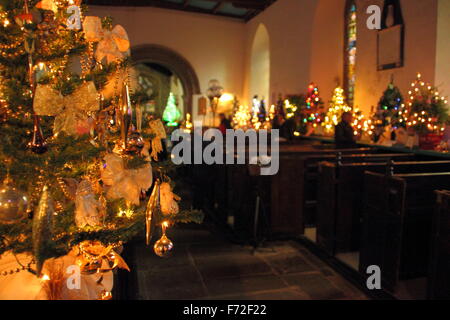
x=71 y=110
x=92 y=254
x=114 y=44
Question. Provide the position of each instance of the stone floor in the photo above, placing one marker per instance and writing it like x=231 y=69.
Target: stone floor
x=204 y=266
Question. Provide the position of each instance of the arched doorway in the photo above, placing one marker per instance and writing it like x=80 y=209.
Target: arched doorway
x=260 y=64
x=158 y=62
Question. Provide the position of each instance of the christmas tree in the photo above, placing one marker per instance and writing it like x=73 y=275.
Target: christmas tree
x=314 y=105
x=390 y=112
x=335 y=111
x=171 y=113
x=427 y=111
x=76 y=174
x=362 y=126
x=242 y=118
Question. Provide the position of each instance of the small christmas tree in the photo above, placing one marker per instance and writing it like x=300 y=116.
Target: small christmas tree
x=171 y=113
x=335 y=111
x=427 y=110
x=362 y=126
x=390 y=111
x=294 y=104
x=289 y=109
x=242 y=118
x=314 y=105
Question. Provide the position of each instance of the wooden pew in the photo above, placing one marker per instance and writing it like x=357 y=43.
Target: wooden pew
x=397 y=224
x=309 y=174
x=215 y=186
x=438 y=286
x=279 y=192
x=282 y=193
x=340 y=199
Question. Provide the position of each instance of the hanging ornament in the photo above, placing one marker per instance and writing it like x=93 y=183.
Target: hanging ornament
x=163 y=247
x=112 y=125
x=88 y=209
x=169 y=205
x=24 y=18
x=135 y=143
x=112 y=44
x=117 y=80
x=138 y=117
x=125 y=183
x=152 y=205
x=38 y=144
x=42 y=229
x=41 y=71
x=156 y=128
x=13 y=203
x=125 y=117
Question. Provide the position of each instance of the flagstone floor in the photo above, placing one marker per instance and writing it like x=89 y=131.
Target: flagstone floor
x=204 y=266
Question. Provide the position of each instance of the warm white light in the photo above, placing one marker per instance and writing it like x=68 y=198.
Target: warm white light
x=226 y=97
x=45 y=278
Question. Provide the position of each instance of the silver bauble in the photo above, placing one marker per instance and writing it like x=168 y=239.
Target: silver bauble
x=13 y=204
x=135 y=143
x=163 y=247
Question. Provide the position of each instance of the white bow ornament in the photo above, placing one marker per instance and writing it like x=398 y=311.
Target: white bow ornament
x=113 y=45
x=125 y=183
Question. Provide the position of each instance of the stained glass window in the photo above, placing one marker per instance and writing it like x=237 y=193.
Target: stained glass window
x=350 y=75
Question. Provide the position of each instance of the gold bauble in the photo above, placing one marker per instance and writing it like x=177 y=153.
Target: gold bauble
x=163 y=247
x=13 y=204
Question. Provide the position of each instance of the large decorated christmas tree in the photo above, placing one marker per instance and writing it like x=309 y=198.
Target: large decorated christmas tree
x=80 y=165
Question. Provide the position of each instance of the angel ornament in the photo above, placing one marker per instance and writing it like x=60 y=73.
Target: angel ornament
x=89 y=211
x=168 y=199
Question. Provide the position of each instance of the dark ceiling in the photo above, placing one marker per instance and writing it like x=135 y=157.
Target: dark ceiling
x=240 y=9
